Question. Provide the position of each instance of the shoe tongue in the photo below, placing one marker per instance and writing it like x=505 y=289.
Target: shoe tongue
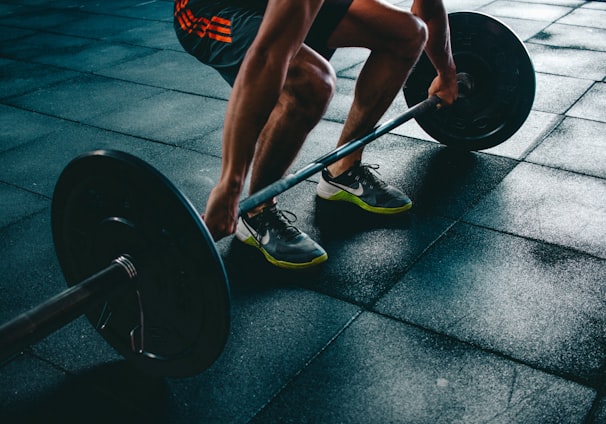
x=287 y=230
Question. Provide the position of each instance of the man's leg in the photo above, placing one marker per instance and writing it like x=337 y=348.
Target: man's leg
x=396 y=39
x=256 y=90
x=309 y=86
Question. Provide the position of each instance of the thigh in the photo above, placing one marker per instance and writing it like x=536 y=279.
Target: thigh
x=327 y=20
x=373 y=24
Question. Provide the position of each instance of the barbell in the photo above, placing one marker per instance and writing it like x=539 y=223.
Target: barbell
x=140 y=262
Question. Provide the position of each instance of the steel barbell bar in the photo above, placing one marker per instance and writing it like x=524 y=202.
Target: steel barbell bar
x=32 y=326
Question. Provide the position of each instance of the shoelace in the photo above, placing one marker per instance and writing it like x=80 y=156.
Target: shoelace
x=365 y=174
x=282 y=221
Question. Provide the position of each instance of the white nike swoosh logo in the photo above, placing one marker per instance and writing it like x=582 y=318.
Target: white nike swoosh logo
x=263 y=240
x=358 y=191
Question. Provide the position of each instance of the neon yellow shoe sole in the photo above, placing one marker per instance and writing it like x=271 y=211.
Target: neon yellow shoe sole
x=344 y=196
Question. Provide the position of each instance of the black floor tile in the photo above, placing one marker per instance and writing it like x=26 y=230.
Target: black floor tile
x=591 y=105
x=85 y=98
x=275 y=333
x=31 y=273
x=531 y=11
x=568 y=61
x=557 y=94
x=36 y=166
x=94 y=396
x=575 y=37
x=23 y=77
x=540 y=304
x=43 y=47
x=20 y=126
x=395 y=373
x=167 y=117
x=548 y=205
x=17 y=204
x=576 y=145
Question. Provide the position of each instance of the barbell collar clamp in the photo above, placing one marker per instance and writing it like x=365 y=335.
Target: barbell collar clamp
x=125 y=261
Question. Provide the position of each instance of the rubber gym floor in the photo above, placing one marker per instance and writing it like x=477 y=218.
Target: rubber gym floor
x=486 y=303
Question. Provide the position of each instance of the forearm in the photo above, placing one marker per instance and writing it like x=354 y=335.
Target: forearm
x=433 y=13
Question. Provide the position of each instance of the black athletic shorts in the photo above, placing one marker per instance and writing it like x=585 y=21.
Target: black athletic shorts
x=219 y=32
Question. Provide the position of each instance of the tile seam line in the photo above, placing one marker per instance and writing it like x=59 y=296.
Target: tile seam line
x=563 y=375
x=73 y=121
x=98 y=73
x=376 y=299
x=579 y=99
x=574 y=25
x=125 y=8
x=9 y=184
x=558 y=47
x=462 y=218
x=595 y=408
x=555 y=168
x=535 y=240
x=173 y=90
x=544 y=136
x=82 y=37
x=24 y=219
x=307 y=364
x=86 y=13
x=553 y=74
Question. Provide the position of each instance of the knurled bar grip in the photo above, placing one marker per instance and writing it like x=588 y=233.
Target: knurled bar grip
x=54 y=313
x=291 y=180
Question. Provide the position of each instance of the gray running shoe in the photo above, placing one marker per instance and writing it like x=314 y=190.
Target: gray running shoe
x=361 y=186
x=282 y=244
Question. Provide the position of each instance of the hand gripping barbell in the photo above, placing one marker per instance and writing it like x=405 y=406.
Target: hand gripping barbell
x=142 y=265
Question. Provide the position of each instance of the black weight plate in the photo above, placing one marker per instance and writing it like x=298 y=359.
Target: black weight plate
x=503 y=80
x=175 y=320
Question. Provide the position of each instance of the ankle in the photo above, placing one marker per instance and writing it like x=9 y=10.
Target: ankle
x=341 y=167
x=258 y=209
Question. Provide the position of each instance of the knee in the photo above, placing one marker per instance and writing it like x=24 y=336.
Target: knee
x=323 y=83
x=311 y=86
x=421 y=33
x=412 y=36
